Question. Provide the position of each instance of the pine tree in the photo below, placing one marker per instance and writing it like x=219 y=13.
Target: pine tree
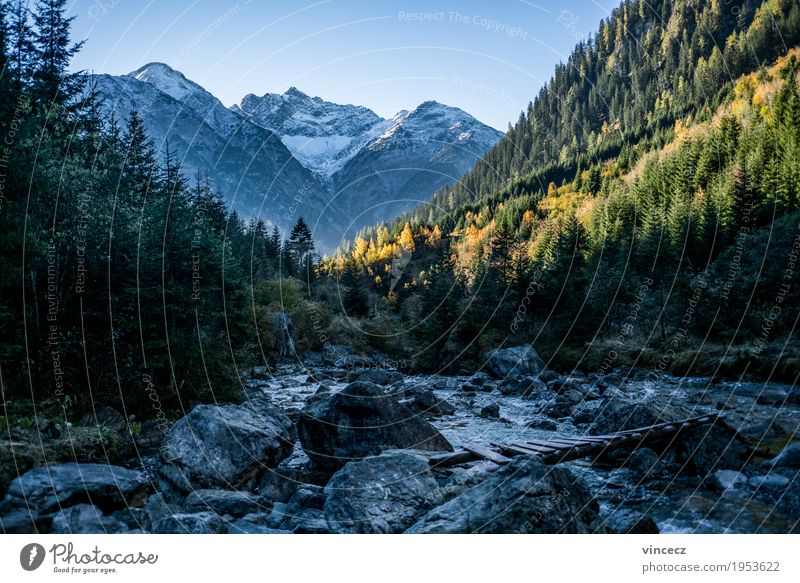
x=53 y=84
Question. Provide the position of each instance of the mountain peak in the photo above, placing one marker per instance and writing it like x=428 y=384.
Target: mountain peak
x=166 y=79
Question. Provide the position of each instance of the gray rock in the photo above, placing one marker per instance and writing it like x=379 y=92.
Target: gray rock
x=491 y=411
x=196 y=523
x=705 y=449
x=524 y=496
x=278 y=485
x=85 y=519
x=23 y=521
x=256 y=523
x=382 y=494
x=643 y=462
x=530 y=387
x=234 y=503
x=359 y=421
x=622 y=414
x=517 y=361
x=789 y=457
x=544 y=424
x=625 y=521
x=425 y=401
x=769 y=482
x=727 y=479
x=48 y=488
x=224 y=446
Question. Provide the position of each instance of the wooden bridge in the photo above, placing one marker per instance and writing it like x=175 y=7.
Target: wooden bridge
x=562 y=449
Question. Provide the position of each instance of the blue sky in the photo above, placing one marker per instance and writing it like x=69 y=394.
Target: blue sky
x=489 y=58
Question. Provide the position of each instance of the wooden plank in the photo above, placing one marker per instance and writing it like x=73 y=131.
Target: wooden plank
x=486 y=453
x=452 y=458
x=513 y=450
x=541 y=449
x=560 y=444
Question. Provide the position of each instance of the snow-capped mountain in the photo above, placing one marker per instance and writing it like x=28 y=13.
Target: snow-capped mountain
x=280 y=156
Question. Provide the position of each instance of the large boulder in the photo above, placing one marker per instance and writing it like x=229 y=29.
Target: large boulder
x=224 y=446
x=232 y=502
x=517 y=361
x=379 y=495
x=191 y=523
x=359 y=421
x=622 y=414
x=524 y=496
x=85 y=519
x=789 y=457
x=48 y=488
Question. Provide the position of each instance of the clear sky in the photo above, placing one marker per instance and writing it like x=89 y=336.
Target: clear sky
x=489 y=58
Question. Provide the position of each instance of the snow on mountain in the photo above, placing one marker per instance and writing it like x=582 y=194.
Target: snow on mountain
x=321 y=134
x=348 y=166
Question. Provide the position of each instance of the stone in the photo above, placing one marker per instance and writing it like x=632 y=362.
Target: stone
x=278 y=485
x=491 y=411
x=517 y=361
x=622 y=414
x=253 y=524
x=48 y=488
x=191 y=523
x=85 y=519
x=359 y=421
x=425 y=401
x=727 y=479
x=643 y=462
x=225 y=446
x=625 y=521
x=379 y=495
x=231 y=502
x=789 y=457
x=530 y=387
x=524 y=496
x=544 y=424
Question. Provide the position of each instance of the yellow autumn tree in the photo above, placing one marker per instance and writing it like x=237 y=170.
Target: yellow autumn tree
x=406 y=239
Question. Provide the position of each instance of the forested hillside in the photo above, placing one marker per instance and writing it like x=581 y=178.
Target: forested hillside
x=643 y=212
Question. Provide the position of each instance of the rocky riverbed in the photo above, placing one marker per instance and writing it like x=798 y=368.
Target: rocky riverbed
x=343 y=447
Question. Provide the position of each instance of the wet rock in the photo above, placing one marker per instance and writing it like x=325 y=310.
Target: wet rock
x=381 y=494
x=769 y=482
x=517 y=361
x=789 y=457
x=256 y=523
x=529 y=387
x=708 y=448
x=279 y=485
x=491 y=411
x=48 y=488
x=231 y=502
x=85 y=519
x=23 y=521
x=557 y=409
x=548 y=376
x=643 y=462
x=524 y=496
x=544 y=424
x=359 y=421
x=622 y=414
x=626 y=521
x=195 y=523
x=224 y=446
x=425 y=401
x=726 y=479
